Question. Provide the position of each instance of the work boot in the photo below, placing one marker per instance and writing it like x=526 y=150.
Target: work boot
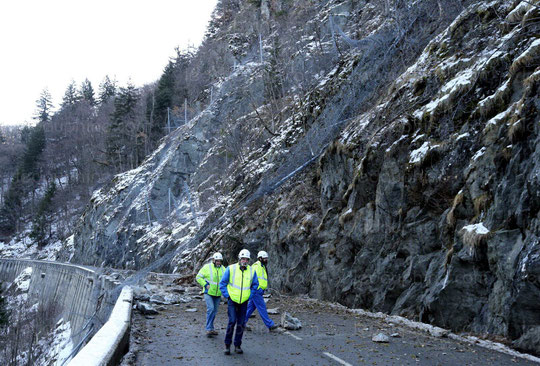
x=209 y=333
x=238 y=349
x=227 y=349
x=247 y=327
x=214 y=332
x=273 y=328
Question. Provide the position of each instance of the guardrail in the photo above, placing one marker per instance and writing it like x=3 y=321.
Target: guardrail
x=110 y=343
x=82 y=296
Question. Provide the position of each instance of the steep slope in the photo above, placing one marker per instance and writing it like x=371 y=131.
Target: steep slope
x=406 y=181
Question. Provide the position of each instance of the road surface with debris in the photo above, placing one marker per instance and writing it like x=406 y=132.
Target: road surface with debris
x=328 y=336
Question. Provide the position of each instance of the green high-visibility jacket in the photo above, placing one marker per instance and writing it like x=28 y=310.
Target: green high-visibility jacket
x=262 y=275
x=239 y=287
x=211 y=275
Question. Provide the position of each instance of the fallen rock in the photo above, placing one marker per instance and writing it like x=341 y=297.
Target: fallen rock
x=173 y=298
x=117 y=276
x=289 y=322
x=395 y=335
x=274 y=311
x=185 y=299
x=438 y=332
x=145 y=308
x=193 y=289
x=179 y=289
x=191 y=310
x=140 y=293
x=159 y=299
x=149 y=287
x=380 y=338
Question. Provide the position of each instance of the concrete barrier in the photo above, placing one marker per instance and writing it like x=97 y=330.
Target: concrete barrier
x=111 y=342
x=81 y=297
x=74 y=290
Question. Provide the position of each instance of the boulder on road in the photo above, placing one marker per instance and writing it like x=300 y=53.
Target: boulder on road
x=145 y=308
x=380 y=338
x=289 y=322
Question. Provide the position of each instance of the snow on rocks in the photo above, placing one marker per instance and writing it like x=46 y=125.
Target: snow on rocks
x=479 y=153
x=418 y=155
x=473 y=235
x=61 y=346
x=22 y=281
x=462 y=136
x=476 y=228
x=518 y=12
x=528 y=56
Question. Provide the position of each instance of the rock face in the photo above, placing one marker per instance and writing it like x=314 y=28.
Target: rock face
x=425 y=203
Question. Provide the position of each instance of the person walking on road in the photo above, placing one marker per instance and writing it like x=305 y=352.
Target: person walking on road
x=237 y=283
x=208 y=277
x=256 y=300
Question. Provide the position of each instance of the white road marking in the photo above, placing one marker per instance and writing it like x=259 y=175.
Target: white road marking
x=337 y=359
x=292 y=335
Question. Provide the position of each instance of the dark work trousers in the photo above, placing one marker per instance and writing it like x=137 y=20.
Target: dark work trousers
x=237 y=317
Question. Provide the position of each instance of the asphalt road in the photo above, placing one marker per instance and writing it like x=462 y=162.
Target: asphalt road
x=328 y=337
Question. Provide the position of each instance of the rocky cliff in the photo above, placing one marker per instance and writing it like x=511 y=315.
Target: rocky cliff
x=406 y=179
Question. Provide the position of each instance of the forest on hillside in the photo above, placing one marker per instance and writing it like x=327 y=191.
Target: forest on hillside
x=49 y=170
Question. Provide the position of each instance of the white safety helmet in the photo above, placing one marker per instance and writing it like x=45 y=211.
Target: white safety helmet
x=262 y=254
x=217 y=256
x=244 y=253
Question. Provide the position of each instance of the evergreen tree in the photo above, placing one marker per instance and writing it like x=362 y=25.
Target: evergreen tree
x=24 y=180
x=107 y=90
x=3 y=311
x=123 y=128
x=71 y=96
x=87 y=92
x=44 y=107
x=273 y=75
x=25 y=134
x=32 y=153
x=163 y=100
x=41 y=226
x=10 y=212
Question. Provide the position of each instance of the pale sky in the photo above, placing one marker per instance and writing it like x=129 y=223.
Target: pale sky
x=48 y=43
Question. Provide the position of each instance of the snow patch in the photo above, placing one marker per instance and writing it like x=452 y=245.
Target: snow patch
x=462 y=136
x=476 y=228
x=61 y=346
x=22 y=282
x=419 y=154
x=479 y=153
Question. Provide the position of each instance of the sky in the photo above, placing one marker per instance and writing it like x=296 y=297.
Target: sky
x=49 y=43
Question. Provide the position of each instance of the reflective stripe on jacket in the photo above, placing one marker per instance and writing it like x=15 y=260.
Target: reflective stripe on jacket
x=262 y=275
x=210 y=274
x=240 y=283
